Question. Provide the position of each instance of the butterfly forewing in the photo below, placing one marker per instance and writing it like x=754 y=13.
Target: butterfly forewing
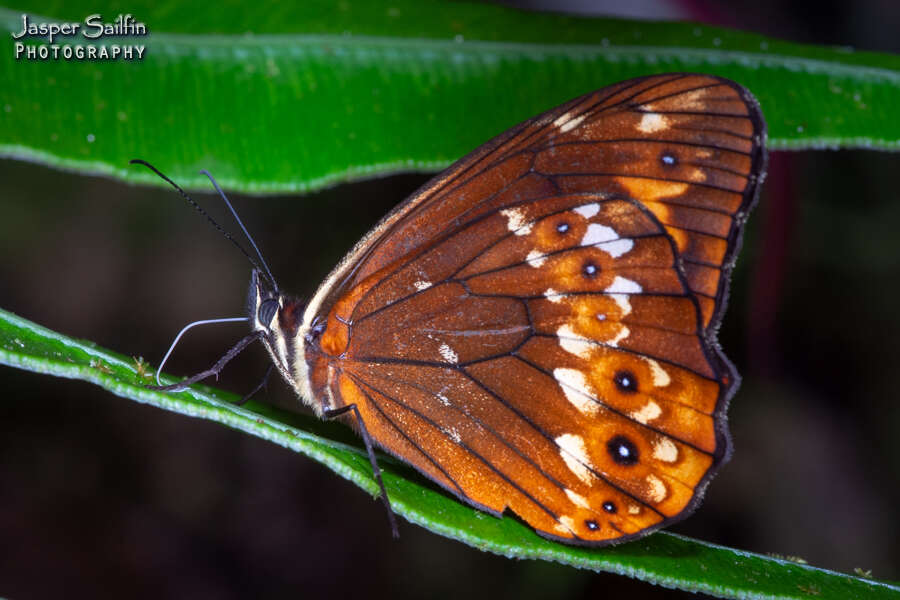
x=534 y=329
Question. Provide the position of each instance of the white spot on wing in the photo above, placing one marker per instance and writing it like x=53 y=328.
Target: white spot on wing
x=577 y=499
x=574 y=453
x=665 y=450
x=575 y=386
x=597 y=234
x=552 y=295
x=560 y=528
x=516 y=221
x=448 y=353
x=660 y=376
x=622 y=285
x=650 y=411
x=692 y=100
x=607 y=239
x=560 y=120
x=574 y=343
x=568 y=522
x=422 y=285
x=656 y=488
x=535 y=258
x=624 y=332
x=618 y=247
x=653 y=122
x=634 y=509
x=624 y=304
x=572 y=124
x=697 y=174
x=619 y=290
x=588 y=210
x=566 y=122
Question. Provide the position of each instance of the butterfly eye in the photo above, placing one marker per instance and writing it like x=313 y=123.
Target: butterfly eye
x=590 y=270
x=592 y=525
x=267 y=311
x=622 y=450
x=562 y=227
x=610 y=507
x=316 y=329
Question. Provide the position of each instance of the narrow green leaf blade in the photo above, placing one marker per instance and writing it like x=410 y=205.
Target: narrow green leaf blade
x=662 y=558
x=326 y=94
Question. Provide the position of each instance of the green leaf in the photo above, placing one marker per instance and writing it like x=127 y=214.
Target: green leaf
x=343 y=90
x=662 y=558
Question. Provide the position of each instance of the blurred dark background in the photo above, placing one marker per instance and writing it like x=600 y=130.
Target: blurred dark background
x=102 y=497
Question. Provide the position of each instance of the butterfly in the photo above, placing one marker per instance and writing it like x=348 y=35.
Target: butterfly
x=535 y=328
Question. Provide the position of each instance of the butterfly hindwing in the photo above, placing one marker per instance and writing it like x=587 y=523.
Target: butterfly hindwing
x=519 y=388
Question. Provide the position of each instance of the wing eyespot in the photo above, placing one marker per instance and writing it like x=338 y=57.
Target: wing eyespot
x=622 y=451
x=668 y=159
x=625 y=381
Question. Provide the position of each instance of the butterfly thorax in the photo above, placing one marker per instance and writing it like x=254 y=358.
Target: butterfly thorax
x=321 y=339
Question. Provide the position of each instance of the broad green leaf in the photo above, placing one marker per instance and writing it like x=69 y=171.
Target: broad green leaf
x=662 y=558
x=289 y=100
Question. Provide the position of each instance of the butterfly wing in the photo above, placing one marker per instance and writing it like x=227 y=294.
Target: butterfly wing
x=534 y=329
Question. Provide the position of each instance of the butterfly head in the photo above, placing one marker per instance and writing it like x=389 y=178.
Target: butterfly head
x=277 y=317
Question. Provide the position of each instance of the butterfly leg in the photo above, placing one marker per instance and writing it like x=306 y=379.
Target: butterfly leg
x=214 y=370
x=261 y=385
x=336 y=412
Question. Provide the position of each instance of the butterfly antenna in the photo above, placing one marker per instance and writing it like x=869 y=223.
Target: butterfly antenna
x=244 y=229
x=192 y=202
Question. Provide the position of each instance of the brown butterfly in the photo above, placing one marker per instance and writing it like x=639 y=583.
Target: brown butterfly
x=535 y=328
